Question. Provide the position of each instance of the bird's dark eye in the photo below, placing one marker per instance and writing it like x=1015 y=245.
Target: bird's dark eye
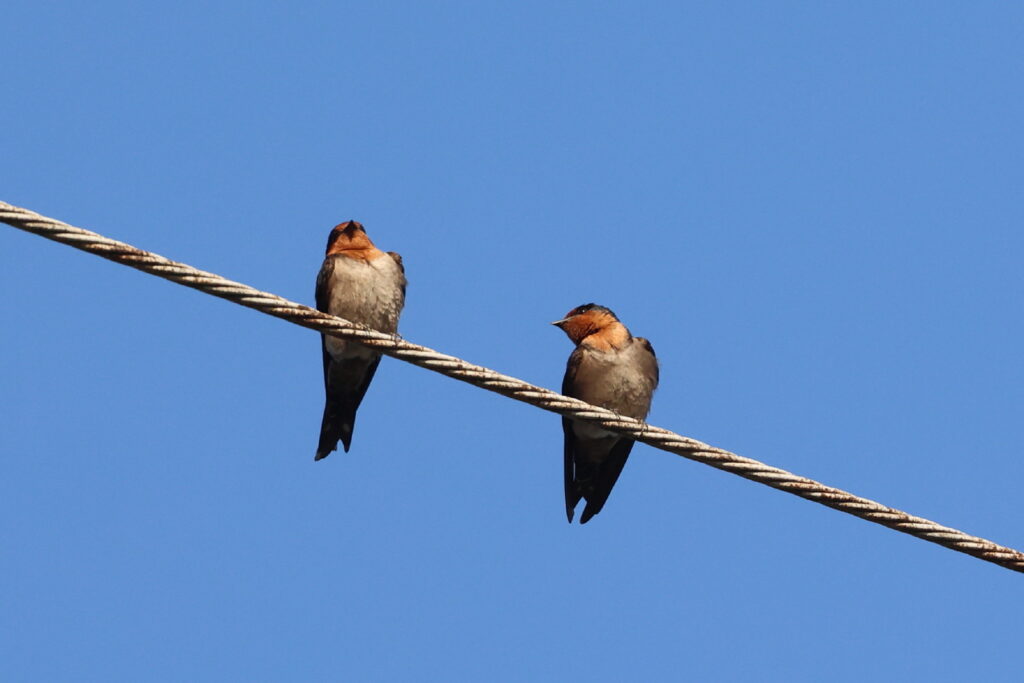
x=581 y=309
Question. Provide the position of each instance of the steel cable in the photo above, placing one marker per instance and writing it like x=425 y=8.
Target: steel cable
x=512 y=387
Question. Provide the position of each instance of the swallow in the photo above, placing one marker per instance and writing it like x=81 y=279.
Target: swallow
x=360 y=283
x=609 y=368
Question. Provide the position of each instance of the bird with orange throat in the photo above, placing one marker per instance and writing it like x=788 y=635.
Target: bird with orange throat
x=362 y=284
x=612 y=369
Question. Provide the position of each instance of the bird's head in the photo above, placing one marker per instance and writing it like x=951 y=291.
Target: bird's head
x=349 y=238
x=589 y=319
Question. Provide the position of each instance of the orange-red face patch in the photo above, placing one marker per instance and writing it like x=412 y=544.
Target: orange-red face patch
x=350 y=239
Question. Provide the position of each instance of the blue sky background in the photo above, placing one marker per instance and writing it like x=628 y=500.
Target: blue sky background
x=812 y=210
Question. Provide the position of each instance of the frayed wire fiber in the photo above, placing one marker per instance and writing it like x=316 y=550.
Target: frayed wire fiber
x=505 y=385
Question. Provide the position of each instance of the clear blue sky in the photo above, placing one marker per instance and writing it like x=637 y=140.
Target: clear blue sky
x=812 y=210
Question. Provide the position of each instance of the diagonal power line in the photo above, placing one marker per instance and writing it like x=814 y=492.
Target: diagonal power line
x=505 y=385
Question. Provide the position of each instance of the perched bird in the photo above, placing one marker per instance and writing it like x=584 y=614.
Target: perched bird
x=609 y=368
x=365 y=285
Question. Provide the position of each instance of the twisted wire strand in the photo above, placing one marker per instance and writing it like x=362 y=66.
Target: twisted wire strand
x=511 y=387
